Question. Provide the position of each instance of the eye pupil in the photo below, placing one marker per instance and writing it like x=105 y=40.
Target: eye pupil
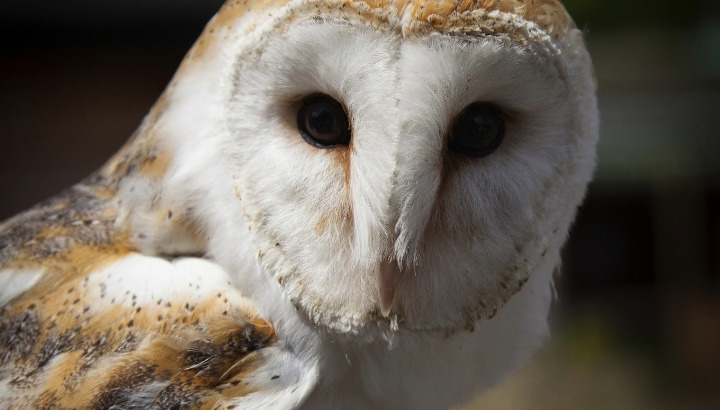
x=478 y=130
x=323 y=123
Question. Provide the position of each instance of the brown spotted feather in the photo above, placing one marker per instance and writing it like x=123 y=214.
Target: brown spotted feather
x=59 y=351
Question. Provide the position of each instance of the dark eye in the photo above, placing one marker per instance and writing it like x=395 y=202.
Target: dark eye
x=323 y=123
x=478 y=130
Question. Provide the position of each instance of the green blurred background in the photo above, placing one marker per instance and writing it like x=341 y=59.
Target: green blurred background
x=637 y=323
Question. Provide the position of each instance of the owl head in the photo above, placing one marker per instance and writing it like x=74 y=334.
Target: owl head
x=400 y=164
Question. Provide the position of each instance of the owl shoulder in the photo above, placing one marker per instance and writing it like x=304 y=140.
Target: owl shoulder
x=87 y=321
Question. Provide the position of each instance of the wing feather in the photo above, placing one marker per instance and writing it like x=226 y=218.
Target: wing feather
x=86 y=321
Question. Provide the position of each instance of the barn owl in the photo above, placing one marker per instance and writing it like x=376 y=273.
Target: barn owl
x=334 y=204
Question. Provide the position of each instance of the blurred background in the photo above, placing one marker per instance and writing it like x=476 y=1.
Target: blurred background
x=637 y=323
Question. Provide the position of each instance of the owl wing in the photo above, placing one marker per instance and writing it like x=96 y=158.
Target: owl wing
x=88 y=322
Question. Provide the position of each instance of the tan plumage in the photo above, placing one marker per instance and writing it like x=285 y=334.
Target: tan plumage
x=62 y=348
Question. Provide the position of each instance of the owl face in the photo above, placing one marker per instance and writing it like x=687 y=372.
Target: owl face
x=398 y=172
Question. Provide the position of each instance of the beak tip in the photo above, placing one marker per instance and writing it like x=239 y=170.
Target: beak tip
x=389 y=274
x=385 y=310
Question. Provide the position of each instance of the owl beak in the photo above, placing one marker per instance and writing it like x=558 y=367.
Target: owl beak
x=388 y=277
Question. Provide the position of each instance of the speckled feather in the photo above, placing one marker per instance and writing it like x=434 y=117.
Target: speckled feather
x=64 y=348
x=118 y=293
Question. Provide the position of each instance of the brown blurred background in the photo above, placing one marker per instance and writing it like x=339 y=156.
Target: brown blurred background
x=637 y=324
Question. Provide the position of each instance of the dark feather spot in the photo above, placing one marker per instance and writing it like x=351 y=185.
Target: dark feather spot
x=19 y=334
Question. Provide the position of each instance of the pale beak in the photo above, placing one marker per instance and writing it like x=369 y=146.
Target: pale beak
x=388 y=277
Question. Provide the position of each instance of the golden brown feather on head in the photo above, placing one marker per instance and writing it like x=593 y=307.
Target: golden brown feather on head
x=549 y=15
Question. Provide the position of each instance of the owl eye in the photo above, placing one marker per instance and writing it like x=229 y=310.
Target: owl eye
x=323 y=123
x=478 y=130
